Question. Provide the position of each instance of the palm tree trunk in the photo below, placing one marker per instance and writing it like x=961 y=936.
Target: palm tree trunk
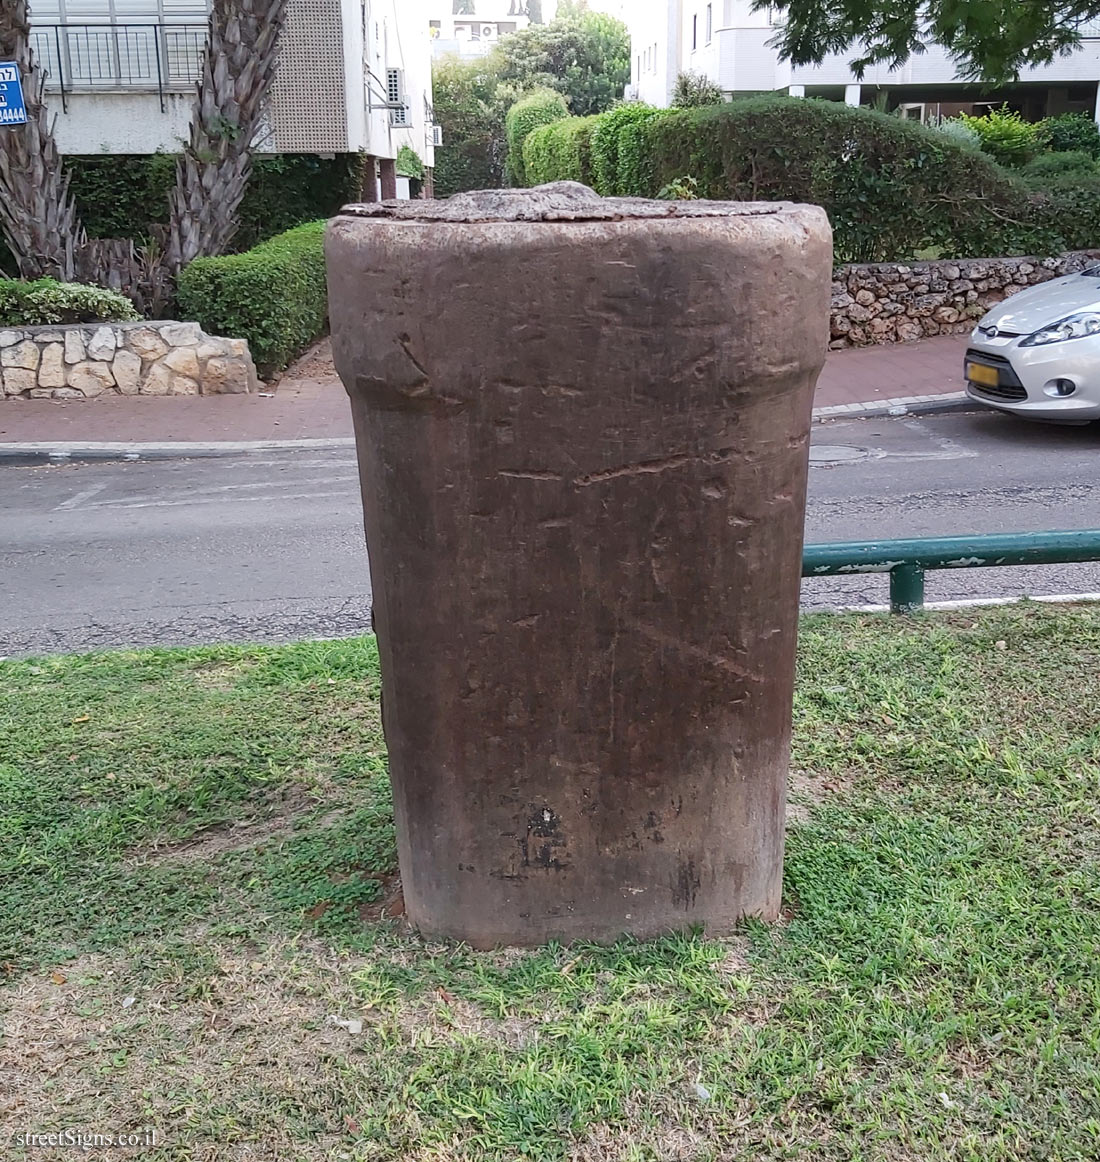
x=214 y=168
x=37 y=213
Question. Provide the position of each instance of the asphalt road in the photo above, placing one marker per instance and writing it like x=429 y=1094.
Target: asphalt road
x=271 y=547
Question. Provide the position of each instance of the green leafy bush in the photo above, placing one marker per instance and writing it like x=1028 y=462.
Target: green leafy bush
x=470 y=104
x=542 y=107
x=409 y=164
x=273 y=295
x=44 y=301
x=959 y=132
x=695 y=91
x=1072 y=165
x=127 y=196
x=892 y=188
x=561 y=151
x=1005 y=135
x=1069 y=208
x=606 y=143
x=1071 y=132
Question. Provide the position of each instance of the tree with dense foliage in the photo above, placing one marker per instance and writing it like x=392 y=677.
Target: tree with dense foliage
x=990 y=40
x=471 y=103
x=534 y=11
x=463 y=8
x=584 y=55
x=694 y=90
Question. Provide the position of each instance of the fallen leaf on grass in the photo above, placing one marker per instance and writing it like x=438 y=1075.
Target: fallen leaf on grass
x=58 y=977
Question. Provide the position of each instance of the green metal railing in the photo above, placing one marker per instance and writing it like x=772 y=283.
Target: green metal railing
x=908 y=561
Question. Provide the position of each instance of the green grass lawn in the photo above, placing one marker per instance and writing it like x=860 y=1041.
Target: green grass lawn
x=196 y=849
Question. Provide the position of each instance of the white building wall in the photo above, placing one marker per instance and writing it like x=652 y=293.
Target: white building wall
x=655 y=32
x=330 y=93
x=738 y=55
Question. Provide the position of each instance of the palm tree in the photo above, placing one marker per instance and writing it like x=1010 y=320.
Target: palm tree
x=37 y=212
x=213 y=170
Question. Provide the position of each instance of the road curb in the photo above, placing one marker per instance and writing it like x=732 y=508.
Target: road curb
x=29 y=454
x=906 y=405
x=76 y=452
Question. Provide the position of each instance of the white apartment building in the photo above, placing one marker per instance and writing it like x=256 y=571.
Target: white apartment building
x=474 y=34
x=354 y=76
x=731 y=44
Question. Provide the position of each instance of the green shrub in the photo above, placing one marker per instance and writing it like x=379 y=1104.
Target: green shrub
x=695 y=91
x=542 y=107
x=409 y=164
x=1071 y=132
x=273 y=295
x=605 y=145
x=127 y=196
x=1070 y=209
x=1005 y=135
x=892 y=188
x=1055 y=168
x=561 y=151
x=43 y=302
x=959 y=132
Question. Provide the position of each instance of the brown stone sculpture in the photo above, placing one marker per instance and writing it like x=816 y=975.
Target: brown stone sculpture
x=582 y=431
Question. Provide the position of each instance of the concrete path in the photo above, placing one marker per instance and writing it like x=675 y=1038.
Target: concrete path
x=310 y=403
x=269 y=547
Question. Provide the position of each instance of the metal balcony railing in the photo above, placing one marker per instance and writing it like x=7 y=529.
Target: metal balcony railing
x=93 y=58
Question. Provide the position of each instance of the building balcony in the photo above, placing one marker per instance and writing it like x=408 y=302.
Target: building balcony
x=160 y=58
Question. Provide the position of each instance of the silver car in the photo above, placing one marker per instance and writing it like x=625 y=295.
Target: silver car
x=1037 y=354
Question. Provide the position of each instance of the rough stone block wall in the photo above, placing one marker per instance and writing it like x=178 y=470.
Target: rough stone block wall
x=147 y=358
x=890 y=302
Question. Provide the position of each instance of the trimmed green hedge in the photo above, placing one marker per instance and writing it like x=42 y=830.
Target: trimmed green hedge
x=45 y=301
x=273 y=295
x=891 y=187
x=560 y=151
x=613 y=132
x=542 y=107
x=124 y=196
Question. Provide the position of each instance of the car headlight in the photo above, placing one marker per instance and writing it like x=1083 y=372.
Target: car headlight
x=1079 y=326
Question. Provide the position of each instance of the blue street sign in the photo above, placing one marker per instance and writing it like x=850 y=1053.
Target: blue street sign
x=13 y=109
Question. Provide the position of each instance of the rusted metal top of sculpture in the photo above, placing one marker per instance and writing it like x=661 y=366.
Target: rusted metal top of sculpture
x=556 y=202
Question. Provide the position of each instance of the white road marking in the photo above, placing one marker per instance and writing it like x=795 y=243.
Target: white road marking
x=222 y=500
x=81 y=497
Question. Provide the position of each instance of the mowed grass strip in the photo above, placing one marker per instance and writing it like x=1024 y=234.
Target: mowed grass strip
x=197 y=845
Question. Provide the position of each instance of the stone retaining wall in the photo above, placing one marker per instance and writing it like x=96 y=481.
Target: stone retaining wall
x=155 y=358
x=891 y=302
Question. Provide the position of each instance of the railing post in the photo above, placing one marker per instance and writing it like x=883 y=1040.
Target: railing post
x=906 y=588
x=61 y=62
x=160 y=43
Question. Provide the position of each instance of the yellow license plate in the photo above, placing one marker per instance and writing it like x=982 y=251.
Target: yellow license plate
x=980 y=373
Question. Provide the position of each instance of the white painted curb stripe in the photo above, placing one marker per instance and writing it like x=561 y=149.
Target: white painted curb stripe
x=972 y=603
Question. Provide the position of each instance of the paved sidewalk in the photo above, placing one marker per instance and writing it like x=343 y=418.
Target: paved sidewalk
x=309 y=403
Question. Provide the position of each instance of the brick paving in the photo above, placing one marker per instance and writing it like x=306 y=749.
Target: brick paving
x=309 y=402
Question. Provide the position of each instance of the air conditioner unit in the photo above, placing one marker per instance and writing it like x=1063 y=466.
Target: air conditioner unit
x=488 y=32
x=437 y=135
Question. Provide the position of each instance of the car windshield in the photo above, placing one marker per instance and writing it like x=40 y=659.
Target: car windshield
x=1091 y=272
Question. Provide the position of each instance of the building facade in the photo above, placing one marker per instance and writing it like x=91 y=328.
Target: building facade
x=728 y=42
x=473 y=34
x=354 y=76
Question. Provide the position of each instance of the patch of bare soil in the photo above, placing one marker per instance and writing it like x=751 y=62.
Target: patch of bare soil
x=807 y=791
